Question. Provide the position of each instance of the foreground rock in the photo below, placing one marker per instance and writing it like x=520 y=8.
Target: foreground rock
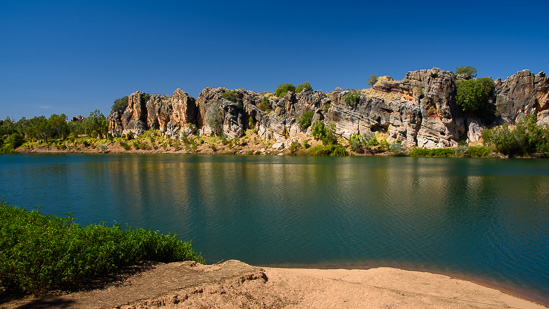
x=234 y=284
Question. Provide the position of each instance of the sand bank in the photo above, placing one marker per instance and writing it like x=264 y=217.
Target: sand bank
x=234 y=284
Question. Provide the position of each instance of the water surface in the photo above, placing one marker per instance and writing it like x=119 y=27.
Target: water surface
x=485 y=218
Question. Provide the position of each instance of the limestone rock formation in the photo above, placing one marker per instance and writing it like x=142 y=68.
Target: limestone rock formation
x=420 y=110
x=522 y=94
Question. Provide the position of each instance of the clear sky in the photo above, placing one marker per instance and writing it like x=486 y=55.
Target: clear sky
x=75 y=56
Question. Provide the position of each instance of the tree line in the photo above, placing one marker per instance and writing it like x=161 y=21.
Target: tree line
x=41 y=129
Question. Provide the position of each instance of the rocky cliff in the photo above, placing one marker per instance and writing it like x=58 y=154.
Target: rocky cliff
x=420 y=110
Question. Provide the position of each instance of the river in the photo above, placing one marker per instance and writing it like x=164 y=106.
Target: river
x=482 y=218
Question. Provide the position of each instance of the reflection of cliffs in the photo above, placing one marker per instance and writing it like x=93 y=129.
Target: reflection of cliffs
x=419 y=110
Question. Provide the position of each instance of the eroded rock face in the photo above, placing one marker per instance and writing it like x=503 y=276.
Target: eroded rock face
x=420 y=110
x=523 y=94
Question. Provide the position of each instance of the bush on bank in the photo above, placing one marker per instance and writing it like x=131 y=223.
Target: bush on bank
x=40 y=253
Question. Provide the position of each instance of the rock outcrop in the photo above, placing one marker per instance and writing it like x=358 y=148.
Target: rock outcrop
x=522 y=94
x=420 y=110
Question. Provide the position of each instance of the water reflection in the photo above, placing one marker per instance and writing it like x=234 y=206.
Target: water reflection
x=484 y=217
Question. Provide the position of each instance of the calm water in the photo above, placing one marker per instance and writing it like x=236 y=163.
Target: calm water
x=479 y=217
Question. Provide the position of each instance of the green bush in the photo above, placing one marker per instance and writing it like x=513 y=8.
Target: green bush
x=283 y=89
x=230 y=95
x=473 y=95
x=526 y=139
x=325 y=150
x=373 y=80
x=318 y=129
x=305 y=120
x=352 y=98
x=264 y=105
x=438 y=152
x=294 y=147
x=301 y=87
x=41 y=253
x=397 y=149
x=478 y=152
x=12 y=142
x=125 y=145
x=120 y=104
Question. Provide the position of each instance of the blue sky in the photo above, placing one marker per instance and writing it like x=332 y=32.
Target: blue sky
x=75 y=56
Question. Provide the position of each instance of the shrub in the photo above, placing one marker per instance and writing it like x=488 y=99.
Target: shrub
x=397 y=149
x=352 y=98
x=527 y=138
x=41 y=253
x=318 y=129
x=145 y=98
x=301 y=87
x=304 y=121
x=373 y=80
x=294 y=147
x=473 y=95
x=283 y=89
x=325 y=150
x=264 y=105
x=120 y=104
x=438 y=152
x=12 y=142
x=478 y=152
x=230 y=95
x=125 y=145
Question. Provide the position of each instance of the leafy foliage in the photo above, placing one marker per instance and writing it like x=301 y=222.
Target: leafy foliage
x=40 y=253
x=373 y=80
x=352 y=98
x=301 y=87
x=527 y=138
x=95 y=125
x=264 y=105
x=397 y=149
x=283 y=89
x=120 y=104
x=473 y=95
x=468 y=70
x=230 y=95
x=326 y=133
x=325 y=150
x=305 y=120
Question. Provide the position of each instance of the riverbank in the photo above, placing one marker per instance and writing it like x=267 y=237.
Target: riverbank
x=152 y=142
x=234 y=284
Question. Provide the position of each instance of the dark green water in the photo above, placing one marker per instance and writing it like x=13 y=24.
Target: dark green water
x=479 y=217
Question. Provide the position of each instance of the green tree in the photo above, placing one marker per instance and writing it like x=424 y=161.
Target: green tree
x=283 y=89
x=373 y=80
x=38 y=128
x=473 y=95
x=120 y=104
x=468 y=70
x=301 y=87
x=58 y=124
x=95 y=125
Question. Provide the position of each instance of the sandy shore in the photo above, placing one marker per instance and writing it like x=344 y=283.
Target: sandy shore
x=234 y=284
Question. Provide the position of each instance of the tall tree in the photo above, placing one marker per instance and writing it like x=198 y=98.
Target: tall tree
x=58 y=124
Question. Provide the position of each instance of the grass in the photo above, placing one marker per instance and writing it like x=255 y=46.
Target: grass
x=41 y=253
x=437 y=152
x=325 y=150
